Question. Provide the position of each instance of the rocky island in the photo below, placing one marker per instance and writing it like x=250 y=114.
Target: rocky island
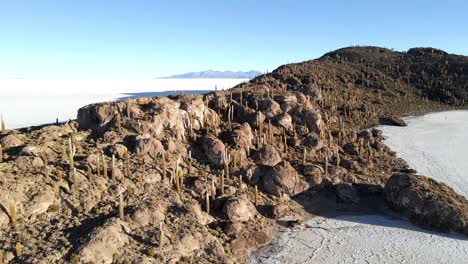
x=207 y=178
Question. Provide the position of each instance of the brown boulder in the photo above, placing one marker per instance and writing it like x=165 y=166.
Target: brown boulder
x=146 y=145
x=241 y=136
x=285 y=121
x=392 y=121
x=314 y=175
x=195 y=107
x=97 y=116
x=119 y=150
x=213 y=148
x=427 y=203
x=283 y=178
x=270 y=107
x=268 y=156
x=239 y=209
x=10 y=141
x=104 y=243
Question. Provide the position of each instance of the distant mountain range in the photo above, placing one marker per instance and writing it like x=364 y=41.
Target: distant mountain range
x=215 y=75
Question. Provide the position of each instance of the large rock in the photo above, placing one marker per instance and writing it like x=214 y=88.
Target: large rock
x=310 y=118
x=10 y=141
x=150 y=215
x=268 y=156
x=195 y=107
x=103 y=243
x=168 y=115
x=248 y=241
x=270 y=107
x=97 y=116
x=283 y=178
x=213 y=148
x=427 y=202
x=255 y=118
x=392 y=121
x=241 y=136
x=119 y=150
x=146 y=145
x=239 y=209
x=285 y=121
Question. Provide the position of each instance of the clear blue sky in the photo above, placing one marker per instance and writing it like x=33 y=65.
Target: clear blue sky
x=113 y=39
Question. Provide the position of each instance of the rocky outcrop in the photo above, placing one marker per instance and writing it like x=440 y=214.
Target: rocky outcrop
x=103 y=243
x=239 y=209
x=213 y=148
x=283 y=179
x=427 y=203
x=241 y=137
x=268 y=156
x=392 y=121
x=10 y=141
x=146 y=145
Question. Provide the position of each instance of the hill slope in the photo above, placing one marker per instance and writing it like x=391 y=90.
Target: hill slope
x=202 y=178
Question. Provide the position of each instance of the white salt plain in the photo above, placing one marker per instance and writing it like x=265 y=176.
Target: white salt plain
x=436 y=145
x=35 y=102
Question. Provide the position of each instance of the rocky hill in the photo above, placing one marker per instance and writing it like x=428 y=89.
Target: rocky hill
x=203 y=178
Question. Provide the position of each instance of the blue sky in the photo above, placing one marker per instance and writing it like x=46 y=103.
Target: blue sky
x=143 y=39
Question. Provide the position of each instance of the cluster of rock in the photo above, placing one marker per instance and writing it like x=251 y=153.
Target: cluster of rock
x=201 y=178
x=427 y=202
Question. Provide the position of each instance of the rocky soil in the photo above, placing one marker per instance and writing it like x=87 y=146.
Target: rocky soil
x=204 y=178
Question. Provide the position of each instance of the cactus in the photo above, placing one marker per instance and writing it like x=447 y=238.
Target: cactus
x=226 y=161
x=127 y=164
x=1 y=153
x=240 y=182
x=249 y=174
x=128 y=108
x=71 y=153
x=285 y=143
x=18 y=249
x=1 y=257
x=222 y=183
x=304 y=156
x=98 y=165
x=119 y=123
x=74 y=180
x=256 y=196
x=104 y=166
x=89 y=173
x=213 y=190
x=121 y=207
x=190 y=162
x=113 y=168
x=326 y=164
x=164 y=165
x=161 y=235
x=229 y=119
x=13 y=214
x=180 y=178
x=207 y=203
x=2 y=127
